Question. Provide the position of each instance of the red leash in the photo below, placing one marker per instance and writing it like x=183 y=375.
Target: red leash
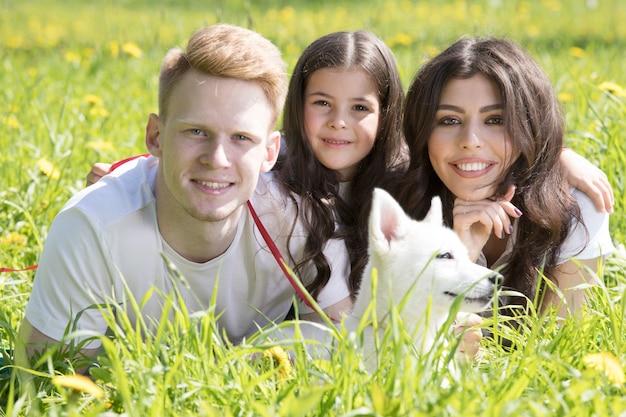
x=277 y=255
x=30 y=268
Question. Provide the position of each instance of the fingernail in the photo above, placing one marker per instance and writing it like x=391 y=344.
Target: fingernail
x=511 y=229
x=503 y=235
x=519 y=213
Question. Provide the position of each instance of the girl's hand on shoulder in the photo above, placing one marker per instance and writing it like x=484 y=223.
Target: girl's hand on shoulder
x=475 y=221
x=591 y=180
x=98 y=170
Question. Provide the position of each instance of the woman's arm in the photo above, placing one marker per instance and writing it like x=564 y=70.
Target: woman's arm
x=591 y=180
x=568 y=276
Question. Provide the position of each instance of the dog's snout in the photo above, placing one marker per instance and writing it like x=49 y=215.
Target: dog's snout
x=496 y=280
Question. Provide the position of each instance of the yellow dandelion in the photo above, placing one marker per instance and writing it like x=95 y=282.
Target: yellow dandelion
x=78 y=383
x=612 y=88
x=12 y=122
x=101 y=146
x=13 y=41
x=566 y=97
x=576 y=52
x=48 y=169
x=280 y=360
x=131 y=48
x=99 y=111
x=401 y=39
x=532 y=31
x=114 y=48
x=93 y=100
x=71 y=56
x=608 y=364
x=553 y=5
x=13 y=239
x=287 y=15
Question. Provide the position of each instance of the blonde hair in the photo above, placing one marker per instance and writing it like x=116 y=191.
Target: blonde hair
x=228 y=51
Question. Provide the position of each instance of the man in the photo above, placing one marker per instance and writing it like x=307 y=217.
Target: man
x=177 y=221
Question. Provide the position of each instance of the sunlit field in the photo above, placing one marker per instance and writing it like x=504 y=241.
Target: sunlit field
x=78 y=82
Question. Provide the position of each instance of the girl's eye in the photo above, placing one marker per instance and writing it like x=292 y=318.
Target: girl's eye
x=322 y=103
x=360 y=107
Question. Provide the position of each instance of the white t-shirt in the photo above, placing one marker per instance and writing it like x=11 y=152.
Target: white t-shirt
x=588 y=241
x=106 y=238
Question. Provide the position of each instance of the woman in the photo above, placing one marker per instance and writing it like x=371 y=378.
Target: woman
x=485 y=133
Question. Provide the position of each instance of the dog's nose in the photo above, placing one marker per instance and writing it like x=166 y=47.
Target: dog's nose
x=496 y=280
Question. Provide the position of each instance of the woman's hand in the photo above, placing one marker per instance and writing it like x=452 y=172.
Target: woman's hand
x=591 y=180
x=475 y=221
x=466 y=324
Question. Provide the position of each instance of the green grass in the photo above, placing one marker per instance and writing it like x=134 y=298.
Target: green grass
x=72 y=96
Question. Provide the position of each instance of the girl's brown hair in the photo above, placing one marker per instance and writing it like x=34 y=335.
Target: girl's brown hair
x=323 y=204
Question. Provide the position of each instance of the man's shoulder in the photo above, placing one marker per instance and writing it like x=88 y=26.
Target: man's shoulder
x=126 y=190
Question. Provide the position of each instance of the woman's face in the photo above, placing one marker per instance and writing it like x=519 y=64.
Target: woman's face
x=468 y=146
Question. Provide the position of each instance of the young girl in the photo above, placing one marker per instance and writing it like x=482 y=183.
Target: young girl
x=486 y=133
x=342 y=126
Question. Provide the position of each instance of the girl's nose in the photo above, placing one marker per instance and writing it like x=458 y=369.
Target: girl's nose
x=337 y=120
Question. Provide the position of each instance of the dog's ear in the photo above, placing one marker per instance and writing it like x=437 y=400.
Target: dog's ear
x=435 y=214
x=386 y=219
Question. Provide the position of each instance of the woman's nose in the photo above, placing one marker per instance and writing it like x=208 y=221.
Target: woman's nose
x=470 y=137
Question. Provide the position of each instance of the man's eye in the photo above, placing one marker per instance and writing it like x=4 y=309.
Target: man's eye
x=241 y=137
x=196 y=132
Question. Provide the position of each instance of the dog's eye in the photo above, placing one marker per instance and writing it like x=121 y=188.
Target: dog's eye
x=445 y=255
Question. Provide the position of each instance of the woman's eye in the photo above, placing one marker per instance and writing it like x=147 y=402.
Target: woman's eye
x=496 y=120
x=447 y=121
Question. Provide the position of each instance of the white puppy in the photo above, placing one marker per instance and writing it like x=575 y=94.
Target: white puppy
x=422 y=268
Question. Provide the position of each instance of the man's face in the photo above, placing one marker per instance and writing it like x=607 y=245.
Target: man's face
x=217 y=138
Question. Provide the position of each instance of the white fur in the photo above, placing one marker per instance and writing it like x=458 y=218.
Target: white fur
x=422 y=261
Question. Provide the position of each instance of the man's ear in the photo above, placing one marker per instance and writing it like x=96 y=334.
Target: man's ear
x=153 y=135
x=272 y=150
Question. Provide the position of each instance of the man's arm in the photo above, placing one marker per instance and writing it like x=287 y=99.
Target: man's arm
x=31 y=341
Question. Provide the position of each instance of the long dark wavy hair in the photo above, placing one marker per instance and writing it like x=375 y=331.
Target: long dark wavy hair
x=322 y=205
x=534 y=122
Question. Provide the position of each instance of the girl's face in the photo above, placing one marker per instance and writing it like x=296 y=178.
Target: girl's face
x=468 y=146
x=341 y=113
